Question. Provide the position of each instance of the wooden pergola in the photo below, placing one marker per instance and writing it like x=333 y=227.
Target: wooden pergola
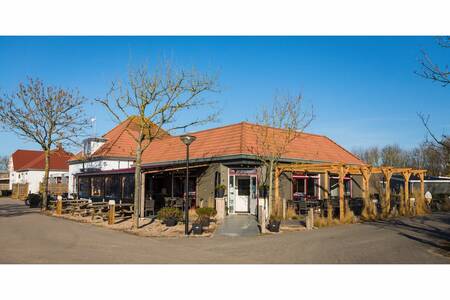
x=366 y=171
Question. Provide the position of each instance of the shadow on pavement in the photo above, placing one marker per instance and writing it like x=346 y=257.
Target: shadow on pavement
x=15 y=209
x=421 y=229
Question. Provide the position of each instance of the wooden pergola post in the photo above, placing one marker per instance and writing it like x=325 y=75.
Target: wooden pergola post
x=422 y=186
x=341 y=193
x=326 y=194
x=404 y=205
x=387 y=192
x=366 y=173
x=344 y=169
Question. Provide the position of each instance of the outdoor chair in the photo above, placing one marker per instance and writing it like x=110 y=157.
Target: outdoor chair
x=168 y=201
x=149 y=207
x=302 y=207
x=179 y=203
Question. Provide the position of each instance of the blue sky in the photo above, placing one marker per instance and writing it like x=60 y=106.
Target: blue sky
x=363 y=89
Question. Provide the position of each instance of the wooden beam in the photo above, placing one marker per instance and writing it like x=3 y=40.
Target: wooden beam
x=404 y=205
x=342 y=173
x=387 y=172
x=366 y=173
x=422 y=186
x=326 y=194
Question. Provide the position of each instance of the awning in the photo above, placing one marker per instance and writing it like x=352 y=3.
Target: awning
x=174 y=169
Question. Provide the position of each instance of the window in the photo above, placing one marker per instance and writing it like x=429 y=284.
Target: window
x=305 y=185
x=97 y=186
x=112 y=187
x=334 y=187
x=128 y=187
x=84 y=184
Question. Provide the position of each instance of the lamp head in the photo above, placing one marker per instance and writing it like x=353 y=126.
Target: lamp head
x=187 y=139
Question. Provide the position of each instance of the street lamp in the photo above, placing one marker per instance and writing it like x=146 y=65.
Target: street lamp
x=187 y=140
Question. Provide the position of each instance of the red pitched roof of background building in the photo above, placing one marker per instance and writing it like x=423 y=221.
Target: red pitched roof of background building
x=35 y=160
x=241 y=138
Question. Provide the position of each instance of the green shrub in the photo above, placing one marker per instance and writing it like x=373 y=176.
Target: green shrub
x=203 y=212
x=220 y=187
x=170 y=212
x=275 y=218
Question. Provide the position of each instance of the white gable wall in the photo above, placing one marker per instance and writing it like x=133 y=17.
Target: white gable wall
x=33 y=178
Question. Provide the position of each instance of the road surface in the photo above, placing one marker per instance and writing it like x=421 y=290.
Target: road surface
x=26 y=236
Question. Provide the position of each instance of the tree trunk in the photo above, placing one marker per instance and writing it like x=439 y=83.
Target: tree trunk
x=137 y=186
x=45 y=179
x=270 y=187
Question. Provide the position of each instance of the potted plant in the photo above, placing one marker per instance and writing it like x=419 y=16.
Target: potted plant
x=274 y=223
x=205 y=214
x=220 y=190
x=197 y=228
x=170 y=216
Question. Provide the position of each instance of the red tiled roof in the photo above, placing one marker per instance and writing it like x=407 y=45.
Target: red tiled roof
x=35 y=160
x=241 y=138
x=120 y=141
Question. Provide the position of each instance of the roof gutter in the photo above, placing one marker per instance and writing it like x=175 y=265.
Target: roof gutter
x=222 y=159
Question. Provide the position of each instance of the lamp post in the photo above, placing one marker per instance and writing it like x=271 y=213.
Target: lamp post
x=187 y=140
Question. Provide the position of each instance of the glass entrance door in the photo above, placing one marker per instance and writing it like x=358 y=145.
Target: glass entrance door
x=242 y=191
x=243 y=194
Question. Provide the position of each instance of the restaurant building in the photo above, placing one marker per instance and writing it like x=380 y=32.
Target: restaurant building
x=223 y=164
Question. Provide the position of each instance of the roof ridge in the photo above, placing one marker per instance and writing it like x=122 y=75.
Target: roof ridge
x=353 y=155
x=214 y=128
x=127 y=119
x=283 y=129
x=26 y=151
x=112 y=142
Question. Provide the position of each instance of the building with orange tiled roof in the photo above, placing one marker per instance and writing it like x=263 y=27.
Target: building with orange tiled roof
x=112 y=151
x=223 y=160
x=27 y=166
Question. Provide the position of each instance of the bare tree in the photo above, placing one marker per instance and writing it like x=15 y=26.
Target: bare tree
x=443 y=140
x=371 y=155
x=45 y=115
x=155 y=99
x=4 y=162
x=393 y=155
x=436 y=73
x=433 y=71
x=277 y=127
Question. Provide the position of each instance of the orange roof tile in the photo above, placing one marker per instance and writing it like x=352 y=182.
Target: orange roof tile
x=35 y=160
x=120 y=141
x=241 y=138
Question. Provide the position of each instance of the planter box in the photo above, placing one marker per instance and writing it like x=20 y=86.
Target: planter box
x=170 y=222
x=197 y=228
x=274 y=226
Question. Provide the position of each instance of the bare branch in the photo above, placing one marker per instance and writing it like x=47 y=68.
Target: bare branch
x=153 y=101
x=46 y=115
